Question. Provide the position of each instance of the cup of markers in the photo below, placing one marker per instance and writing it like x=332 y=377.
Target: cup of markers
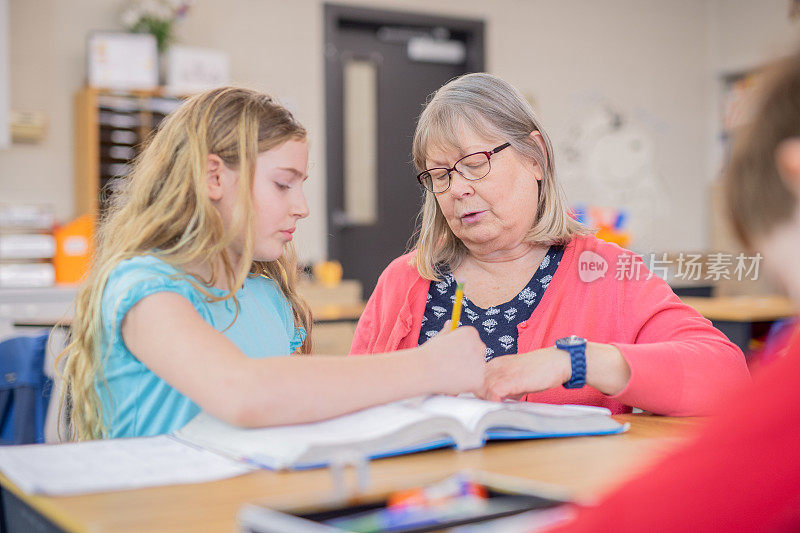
x=450 y=499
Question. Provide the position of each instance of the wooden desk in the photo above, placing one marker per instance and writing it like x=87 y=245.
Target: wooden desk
x=743 y=308
x=334 y=326
x=736 y=316
x=584 y=465
x=48 y=306
x=324 y=314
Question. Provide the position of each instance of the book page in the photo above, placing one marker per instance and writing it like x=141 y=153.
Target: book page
x=467 y=409
x=279 y=447
x=471 y=411
x=115 y=464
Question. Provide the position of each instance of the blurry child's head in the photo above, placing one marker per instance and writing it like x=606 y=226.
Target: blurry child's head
x=763 y=176
x=760 y=197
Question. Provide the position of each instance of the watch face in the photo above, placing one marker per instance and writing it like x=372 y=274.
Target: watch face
x=572 y=340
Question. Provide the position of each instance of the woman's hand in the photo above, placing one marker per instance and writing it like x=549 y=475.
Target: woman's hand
x=512 y=376
x=457 y=359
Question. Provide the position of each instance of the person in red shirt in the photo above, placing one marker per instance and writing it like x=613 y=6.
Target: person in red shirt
x=742 y=473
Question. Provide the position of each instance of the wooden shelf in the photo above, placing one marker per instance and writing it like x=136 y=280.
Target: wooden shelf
x=110 y=129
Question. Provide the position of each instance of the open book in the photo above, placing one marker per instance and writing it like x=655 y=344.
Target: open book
x=396 y=428
x=392 y=429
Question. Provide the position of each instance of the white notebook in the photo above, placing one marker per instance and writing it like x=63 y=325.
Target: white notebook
x=394 y=429
x=116 y=464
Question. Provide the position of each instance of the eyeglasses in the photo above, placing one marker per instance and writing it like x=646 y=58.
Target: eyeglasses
x=472 y=167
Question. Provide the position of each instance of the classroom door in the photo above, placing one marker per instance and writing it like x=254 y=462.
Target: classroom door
x=380 y=66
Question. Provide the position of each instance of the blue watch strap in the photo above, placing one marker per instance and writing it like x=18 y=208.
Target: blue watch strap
x=577 y=356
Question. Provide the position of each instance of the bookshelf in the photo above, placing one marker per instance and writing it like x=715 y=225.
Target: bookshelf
x=110 y=129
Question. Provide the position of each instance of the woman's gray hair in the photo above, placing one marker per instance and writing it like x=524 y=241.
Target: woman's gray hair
x=496 y=110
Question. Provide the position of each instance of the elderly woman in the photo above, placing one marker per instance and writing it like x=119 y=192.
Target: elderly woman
x=566 y=317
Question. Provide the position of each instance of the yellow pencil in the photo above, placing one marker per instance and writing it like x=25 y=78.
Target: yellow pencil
x=457 y=307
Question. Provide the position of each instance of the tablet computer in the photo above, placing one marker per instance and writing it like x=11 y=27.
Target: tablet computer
x=459 y=500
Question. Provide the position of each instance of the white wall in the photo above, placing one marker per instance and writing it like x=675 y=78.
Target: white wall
x=47 y=67
x=750 y=33
x=662 y=57
x=5 y=124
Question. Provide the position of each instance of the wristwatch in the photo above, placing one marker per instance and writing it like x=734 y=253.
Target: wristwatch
x=576 y=348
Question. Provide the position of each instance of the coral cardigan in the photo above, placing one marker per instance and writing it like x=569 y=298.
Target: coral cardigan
x=680 y=364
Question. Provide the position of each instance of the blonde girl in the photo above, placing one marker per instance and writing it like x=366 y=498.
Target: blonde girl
x=191 y=301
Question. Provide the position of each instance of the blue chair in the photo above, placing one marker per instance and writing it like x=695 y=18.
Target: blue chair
x=24 y=390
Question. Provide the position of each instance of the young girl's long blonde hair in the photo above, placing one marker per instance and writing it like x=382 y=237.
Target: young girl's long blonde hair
x=164 y=210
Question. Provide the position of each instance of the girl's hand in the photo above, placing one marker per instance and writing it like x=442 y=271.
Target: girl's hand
x=457 y=359
x=512 y=376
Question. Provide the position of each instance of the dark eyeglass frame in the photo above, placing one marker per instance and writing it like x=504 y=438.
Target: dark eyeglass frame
x=488 y=155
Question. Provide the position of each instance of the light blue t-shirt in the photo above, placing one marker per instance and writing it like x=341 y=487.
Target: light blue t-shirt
x=137 y=402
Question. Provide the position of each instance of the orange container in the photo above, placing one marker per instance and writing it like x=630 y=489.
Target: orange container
x=74 y=247
x=621 y=238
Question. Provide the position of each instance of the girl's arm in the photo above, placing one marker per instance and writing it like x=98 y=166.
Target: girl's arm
x=165 y=332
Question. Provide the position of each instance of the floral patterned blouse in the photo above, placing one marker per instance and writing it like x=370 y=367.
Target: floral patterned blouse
x=496 y=325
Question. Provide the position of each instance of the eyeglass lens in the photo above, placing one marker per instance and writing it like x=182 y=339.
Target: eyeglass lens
x=472 y=167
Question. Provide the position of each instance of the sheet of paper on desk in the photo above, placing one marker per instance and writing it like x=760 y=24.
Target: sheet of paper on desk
x=116 y=464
